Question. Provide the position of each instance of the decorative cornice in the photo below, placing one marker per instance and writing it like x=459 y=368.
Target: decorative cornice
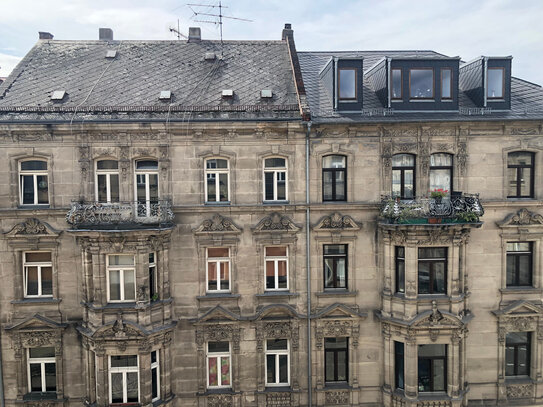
x=522 y=218
x=336 y=222
x=217 y=224
x=276 y=222
x=32 y=227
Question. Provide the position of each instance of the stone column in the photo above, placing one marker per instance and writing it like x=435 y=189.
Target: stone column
x=166 y=367
x=102 y=387
x=411 y=368
x=388 y=359
x=60 y=369
x=453 y=366
x=145 y=377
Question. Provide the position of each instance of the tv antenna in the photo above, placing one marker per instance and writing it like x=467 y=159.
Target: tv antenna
x=178 y=32
x=220 y=16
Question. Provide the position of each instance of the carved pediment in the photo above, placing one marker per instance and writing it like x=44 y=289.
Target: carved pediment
x=32 y=227
x=276 y=222
x=277 y=311
x=217 y=224
x=338 y=310
x=218 y=313
x=436 y=319
x=119 y=330
x=520 y=308
x=522 y=218
x=336 y=222
x=36 y=323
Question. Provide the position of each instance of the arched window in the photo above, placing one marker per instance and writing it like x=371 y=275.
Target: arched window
x=441 y=175
x=334 y=178
x=107 y=181
x=33 y=184
x=520 y=174
x=217 y=187
x=403 y=176
x=275 y=179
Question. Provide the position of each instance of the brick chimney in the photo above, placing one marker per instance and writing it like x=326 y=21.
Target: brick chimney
x=195 y=34
x=45 y=35
x=105 y=34
x=287 y=32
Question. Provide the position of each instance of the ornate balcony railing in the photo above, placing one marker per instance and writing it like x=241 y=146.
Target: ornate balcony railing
x=458 y=208
x=96 y=215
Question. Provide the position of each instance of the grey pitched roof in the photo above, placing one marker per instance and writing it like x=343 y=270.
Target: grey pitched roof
x=128 y=86
x=526 y=97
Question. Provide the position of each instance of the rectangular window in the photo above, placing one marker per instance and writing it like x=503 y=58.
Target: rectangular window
x=153 y=281
x=441 y=172
x=400 y=269
x=432 y=270
x=277 y=362
x=432 y=368
x=275 y=179
x=421 y=83
x=446 y=83
x=495 y=83
x=399 y=363
x=336 y=359
x=403 y=176
x=335 y=266
x=147 y=187
x=347 y=83
x=517 y=354
x=218 y=364
x=107 y=181
x=38 y=274
x=121 y=278
x=155 y=376
x=520 y=174
x=334 y=176
x=276 y=260
x=519 y=264
x=218 y=269
x=33 y=186
x=123 y=379
x=217 y=187
x=42 y=370
x=396 y=80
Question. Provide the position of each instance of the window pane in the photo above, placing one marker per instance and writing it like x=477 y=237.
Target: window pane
x=329 y=367
x=211 y=191
x=35 y=377
x=31 y=281
x=129 y=285
x=525 y=180
x=33 y=165
x=283 y=368
x=268 y=181
x=327 y=185
x=424 y=278
x=276 y=251
x=403 y=160
x=421 y=83
x=519 y=246
x=225 y=275
x=335 y=343
x=512 y=181
x=396 y=183
x=153 y=187
x=432 y=252
x=121 y=260
x=400 y=276
x=114 y=285
x=510 y=361
x=282 y=273
x=274 y=162
x=399 y=364
x=511 y=270
x=277 y=344
x=446 y=81
x=335 y=249
x=525 y=270
x=117 y=388
x=440 y=179
x=516 y=337
x=47 y=352
x=424 y=373
x=520 y=158
x=27 y=184
x=281 y=185
x=102 y=188
x=38 y=257
x=333 y=161
x=347 y=83
x=495 y=83
x=340 y=185
x=440 y=160
x=439 y=375
x=212 y=371
x=217 y=347
x=124 y=361
x=46 y=281
x=270 y=368
x=342 y=366
x=439 y=278
x=408 y=184
x=211 y=275
x=140 y=186
x=270 y=274
x=131 y=387
x=217 y=163
x=147 y=165
x=107 y=165
x=43 y=195
x=217 y=252
x=341 y=275
x=50 y=377
x=223 y=187
x=396 y=84
x=329 y=273
x=114 y=187
x=523 y=362
x=154 y=383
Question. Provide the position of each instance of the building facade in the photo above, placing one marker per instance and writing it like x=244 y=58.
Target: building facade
x=190 y=223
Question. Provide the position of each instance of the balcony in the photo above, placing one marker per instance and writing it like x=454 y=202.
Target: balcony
x=120 y=215
x=457 y=208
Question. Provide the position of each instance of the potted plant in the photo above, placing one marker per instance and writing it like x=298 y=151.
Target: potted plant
x=438 y=194
x=467 y=217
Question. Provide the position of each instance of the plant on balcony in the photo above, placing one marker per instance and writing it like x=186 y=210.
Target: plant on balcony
x=467 y=217
x=396 y=212
x=438 y=194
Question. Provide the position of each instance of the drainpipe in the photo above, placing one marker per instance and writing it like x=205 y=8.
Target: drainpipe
x=307 y=266
x=2 y=402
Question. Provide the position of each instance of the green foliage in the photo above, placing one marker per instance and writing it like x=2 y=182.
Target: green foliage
x=468 y=217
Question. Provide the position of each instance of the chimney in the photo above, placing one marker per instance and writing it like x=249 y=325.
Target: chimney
x=45 y=35
x=287 y=32
x=195 y=34
x=105 y=34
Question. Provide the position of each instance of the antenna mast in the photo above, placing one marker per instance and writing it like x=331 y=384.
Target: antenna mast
x=178 y=31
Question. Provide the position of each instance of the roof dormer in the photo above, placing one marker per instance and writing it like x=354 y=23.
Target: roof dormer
x=343 y=80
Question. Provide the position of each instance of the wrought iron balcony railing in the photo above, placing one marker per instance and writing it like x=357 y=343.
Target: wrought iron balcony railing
x=119 y=214
x=458 y=208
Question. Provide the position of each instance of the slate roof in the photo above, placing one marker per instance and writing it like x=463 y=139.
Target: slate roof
x=128 y=86
x=526 y=97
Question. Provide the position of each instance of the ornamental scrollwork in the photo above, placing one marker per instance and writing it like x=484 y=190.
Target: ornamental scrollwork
x=336 y=397
x=218 y=223
x=30 y=226
x=337 y=328
x=220 y=400
x=276 y=222
x=336 y=221
x=520 y=391
x=521 y=324
x=278 y=400
x=38 y=339
x=523 y=218
x=278 y=330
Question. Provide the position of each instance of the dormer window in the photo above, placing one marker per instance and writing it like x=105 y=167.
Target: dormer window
x=446 y=83
x=421 y=83
x=396 y=84
x=347 y=84
x=495 y=83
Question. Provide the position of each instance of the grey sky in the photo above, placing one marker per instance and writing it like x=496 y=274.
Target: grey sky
x=467 y=28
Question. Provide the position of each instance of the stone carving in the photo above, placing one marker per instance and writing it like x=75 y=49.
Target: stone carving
x=398 y=236
x=435 y=236
x=336 y=397
x=218 y=223
x=523 y=217
x=524 y=131
x=337 y=328
x=30 y=226
x=336 y=221
x=145 y=152
x=433 y=334
x=386 y=154
x=124 y=152
x=37 y=339
x=520 y=391
x=156 y=242
x=276 y=222
x=462 y=157
x=277 y=330
x=521 y=324
x=220 y=400
x=444 y=147
x=397 y=132
x=278 y=400
x=41 y=403
x=319 y=337
x=436 y=316
x=502 y=332
x=218 y=332
x=405 y=148
x=122 y=345
x=117 y=243
x=119 y=330
x=145 y=346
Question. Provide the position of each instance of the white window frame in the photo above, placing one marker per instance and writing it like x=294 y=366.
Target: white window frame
x=124 y=370
x=277 y=353
x=276 y=260
x=121 y=270
x=218 y=261
x=39 y=265
x=156 y=366
x=219 y=356
x=153 y=267
x=35 y=174
x=216 y=172
x=42 y=362
x=275 y=171
x=145 y=173
x=108 y=173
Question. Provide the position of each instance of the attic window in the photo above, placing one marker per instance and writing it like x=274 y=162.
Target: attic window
x=165 y=95
x=266 y=93
x=58 y=95
x=111 y=53
x=209 y=56
x=227 y=93
x=347 y=84
x=496 y=83
x=421 y=83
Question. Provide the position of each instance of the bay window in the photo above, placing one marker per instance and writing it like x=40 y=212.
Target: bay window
x=432 y=368
x=123 y=379
x=121 y=278
x=432 y=270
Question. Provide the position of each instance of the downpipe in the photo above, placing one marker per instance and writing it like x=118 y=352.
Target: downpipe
x=308 y=266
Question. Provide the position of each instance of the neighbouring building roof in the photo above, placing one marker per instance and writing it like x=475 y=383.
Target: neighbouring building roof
x=128 y=85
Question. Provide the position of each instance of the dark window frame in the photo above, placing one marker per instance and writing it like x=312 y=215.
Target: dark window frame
x=516 y=347
x=450 y=84
x=399 y=365
x=334 y=171
x=433 y=83
x=431 y=272
x=432 y=359
x=444 y=167
x=335 y=352
x=400 y=280
x=402 y=170
x=495 y=68
x=392 y=84
x=339 y=84
x=518 y=175
x=335 y=257
x=517 y=255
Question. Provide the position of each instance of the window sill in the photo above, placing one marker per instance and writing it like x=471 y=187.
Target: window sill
x=32 y=301
x=276 y=389
x=31 y=207
x=521 y=289
x=275 y=202
x=521 y=198
x=218 y=296
x=222 y=203
x=225 y=390
x=433 y=395
x=276 y=294
x=519 y=380
x=48 y=395
x=336 y=386
x=332 y=293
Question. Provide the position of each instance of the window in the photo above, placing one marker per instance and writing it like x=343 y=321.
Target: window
x=275 y=179
x=517 y=354
x=432 y=367
x=121 y=278
x=277 y=362
x=38 y=274
x=217 y=187
x=495 y=83
x=399 y=364
x=403 y=176
x=347 y=84
x=396 y=84
x=218 y=364
x=519 y=264
x=276 y=268
x=335 y=266
x=218 y=269
x=155 y=376
x=446 y=83
x=334 y=175
x=421 y=83
x=153 y=281
x=107 y=181
x=147 y=187
x=520 y=174
x=400 y=269
x=432 y=270
x=123 y=379
x=336 y=359
x=33 y=185
x=42 y=370
x=441 y=172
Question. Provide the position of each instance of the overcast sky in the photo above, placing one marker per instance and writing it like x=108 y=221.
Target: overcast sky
x=467 y=28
